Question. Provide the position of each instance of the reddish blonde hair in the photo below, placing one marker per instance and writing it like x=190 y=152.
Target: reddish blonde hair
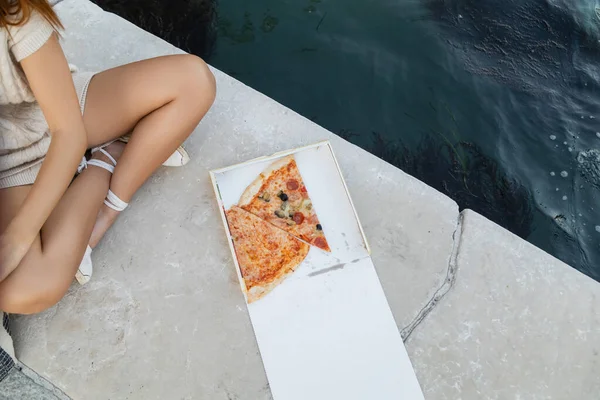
x=18 y=12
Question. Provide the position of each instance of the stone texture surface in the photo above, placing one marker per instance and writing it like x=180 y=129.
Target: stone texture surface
x=18 y=386
x=163 y=317
x=518 y=324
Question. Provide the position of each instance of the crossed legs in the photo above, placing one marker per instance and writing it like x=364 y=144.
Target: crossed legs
x=160 y=101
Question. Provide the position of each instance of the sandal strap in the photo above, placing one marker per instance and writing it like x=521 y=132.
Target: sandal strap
x=114 y=202
x=82 y=165
x=101 y=150
x=101 y=147
x=99 y=163
x=111 y=158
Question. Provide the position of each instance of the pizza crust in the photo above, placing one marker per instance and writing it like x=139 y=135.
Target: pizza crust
x=252 y=190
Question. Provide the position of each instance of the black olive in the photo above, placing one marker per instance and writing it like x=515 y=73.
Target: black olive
x=319 y=227
x=283 y=196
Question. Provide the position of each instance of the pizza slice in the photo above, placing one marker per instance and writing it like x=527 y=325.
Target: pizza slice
x=279 y=196
x=266 y=254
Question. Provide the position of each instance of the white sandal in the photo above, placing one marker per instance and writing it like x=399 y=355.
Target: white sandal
x=178 y=159
x=84 y=273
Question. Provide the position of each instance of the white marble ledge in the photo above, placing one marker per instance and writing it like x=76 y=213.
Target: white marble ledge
x=518 y=324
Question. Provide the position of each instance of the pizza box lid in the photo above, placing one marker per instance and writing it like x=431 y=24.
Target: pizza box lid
x=327 y=331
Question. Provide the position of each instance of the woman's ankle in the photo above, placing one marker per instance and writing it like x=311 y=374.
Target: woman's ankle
x=106 y=218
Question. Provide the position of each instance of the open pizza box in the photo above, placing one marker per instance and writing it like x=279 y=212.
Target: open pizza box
x=326 y=332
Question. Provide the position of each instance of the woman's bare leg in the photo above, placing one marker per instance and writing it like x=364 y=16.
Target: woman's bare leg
x=160 y=101
x=44 y=275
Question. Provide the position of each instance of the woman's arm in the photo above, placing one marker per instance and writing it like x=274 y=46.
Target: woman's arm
x=50 y=80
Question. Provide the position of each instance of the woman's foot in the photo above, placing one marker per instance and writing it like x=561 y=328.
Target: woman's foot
x=106 y=216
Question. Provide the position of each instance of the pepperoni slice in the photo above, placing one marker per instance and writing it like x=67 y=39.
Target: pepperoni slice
x=298 y=217
x=320 y=242
x=294 y=197
x=303 y=189
x=292 y=184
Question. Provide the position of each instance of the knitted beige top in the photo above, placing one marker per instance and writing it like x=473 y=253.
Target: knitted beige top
x=24 y=137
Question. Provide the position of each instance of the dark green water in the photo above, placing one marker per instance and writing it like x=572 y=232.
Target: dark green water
x=493 y=103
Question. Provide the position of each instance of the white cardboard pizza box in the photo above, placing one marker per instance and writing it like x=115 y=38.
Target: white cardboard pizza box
x=327 y=331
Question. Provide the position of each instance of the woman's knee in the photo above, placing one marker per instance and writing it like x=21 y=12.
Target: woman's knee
x=20 y=303
x=200 y=86
x=29 y=297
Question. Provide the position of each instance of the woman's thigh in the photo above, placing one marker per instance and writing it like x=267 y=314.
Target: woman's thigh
x=118 y=98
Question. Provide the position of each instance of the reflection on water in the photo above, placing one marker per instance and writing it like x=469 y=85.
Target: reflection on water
x=493 y=103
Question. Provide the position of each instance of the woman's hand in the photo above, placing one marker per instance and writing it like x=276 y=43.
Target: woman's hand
x=50 y=80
